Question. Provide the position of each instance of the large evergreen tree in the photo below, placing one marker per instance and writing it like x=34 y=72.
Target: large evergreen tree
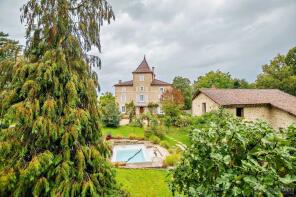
x=9 y=50
x=55 y=145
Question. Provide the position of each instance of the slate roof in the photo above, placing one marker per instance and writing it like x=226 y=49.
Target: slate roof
x=273 y=97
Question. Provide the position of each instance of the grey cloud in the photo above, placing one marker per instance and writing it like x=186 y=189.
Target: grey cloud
x=188 y=37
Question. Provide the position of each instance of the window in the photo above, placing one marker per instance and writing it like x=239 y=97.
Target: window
x=142 y=78
x=161 y=90
x=123 y=98
x=240 y=112
x=123 y=109
x=141 y=98
x=204 y=107
x=142 y=88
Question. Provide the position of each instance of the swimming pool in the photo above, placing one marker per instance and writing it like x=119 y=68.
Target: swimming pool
x=135 y=153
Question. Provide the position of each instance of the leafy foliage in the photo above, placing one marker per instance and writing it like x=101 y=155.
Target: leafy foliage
x=172 y=103
x=154 y=139
x=130 y=110
x=109 y=110
x=9 y=49
x=219 y=79
x=152 y=107
x=184 y=86
x=280 y=73
x=230 y=157
x=9 y=53
x=172 y=159
x=55 y=147
x=137 y=122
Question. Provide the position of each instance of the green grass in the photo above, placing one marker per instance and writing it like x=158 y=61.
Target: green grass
x=124 y=131
x=179 y=134
x=144 y=182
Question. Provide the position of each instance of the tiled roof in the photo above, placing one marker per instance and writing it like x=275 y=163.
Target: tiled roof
x=143 y=67
x=125 y=83
x=156 y=82
x=274 y=97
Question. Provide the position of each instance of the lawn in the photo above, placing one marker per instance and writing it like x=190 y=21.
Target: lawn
x=144 y=182
x=124 y=131
x=178 y=134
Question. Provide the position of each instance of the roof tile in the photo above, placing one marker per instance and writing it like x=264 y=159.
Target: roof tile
x=273 y=97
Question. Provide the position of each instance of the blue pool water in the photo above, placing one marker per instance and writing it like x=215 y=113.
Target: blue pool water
x=122 y=155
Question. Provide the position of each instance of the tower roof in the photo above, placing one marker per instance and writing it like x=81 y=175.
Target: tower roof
x=143 y=67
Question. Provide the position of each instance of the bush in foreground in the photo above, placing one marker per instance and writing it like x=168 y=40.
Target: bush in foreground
x=230 y=157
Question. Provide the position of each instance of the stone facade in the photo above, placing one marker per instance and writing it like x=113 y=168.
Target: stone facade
x=274 y=116
x=142 y=90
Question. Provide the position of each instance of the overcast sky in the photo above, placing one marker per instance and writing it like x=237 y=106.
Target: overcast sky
x=185 y=38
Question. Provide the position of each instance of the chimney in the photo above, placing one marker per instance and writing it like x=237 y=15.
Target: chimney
x=119 y=81
x=153 y=68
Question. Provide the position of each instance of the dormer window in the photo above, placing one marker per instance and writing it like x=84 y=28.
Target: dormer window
x=142 y=77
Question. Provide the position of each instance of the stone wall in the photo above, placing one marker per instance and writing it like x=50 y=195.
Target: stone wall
x=281 y=119
x=132 y=93
x=274 y=116
x=197 y=104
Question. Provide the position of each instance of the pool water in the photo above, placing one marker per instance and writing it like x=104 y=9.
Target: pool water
x=124 y=155
x=129 y=154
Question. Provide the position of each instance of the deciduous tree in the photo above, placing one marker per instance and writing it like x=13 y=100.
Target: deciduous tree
x=219 y=79
x=109 y=110
x=171 y=103
x=184 y=86
x=280 y=73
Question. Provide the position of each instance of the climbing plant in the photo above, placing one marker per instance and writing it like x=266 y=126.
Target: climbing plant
x=54 y=146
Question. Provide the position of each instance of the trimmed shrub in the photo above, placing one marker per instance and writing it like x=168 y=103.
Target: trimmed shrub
x=154 y=139
x=164 y=144
x=171 y=160
x=132 y=137
x=137 y=122
x=111 y=115
x=148 y=132
x=159 y=132
x=183 y=121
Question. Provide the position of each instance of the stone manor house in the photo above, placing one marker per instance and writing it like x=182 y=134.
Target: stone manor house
x=143 y=89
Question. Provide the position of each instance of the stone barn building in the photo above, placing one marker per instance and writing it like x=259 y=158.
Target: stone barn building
x=271 y=105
